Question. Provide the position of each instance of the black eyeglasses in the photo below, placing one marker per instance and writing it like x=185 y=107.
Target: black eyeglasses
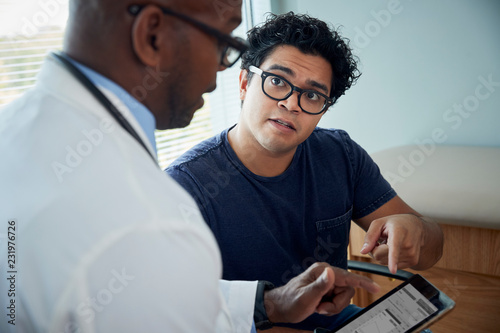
x=279 y=89
x=234 y=47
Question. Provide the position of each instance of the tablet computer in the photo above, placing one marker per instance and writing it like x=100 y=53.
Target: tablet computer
x=410 y=307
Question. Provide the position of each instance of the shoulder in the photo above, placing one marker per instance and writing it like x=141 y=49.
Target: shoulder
x=335 y=134
x=329 y=139
x=199 y=152
x=206 y=157
x=326 y=143
x=203 y=170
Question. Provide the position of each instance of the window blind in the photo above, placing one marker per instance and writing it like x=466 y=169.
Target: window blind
x=21 y=59
x=174 y=142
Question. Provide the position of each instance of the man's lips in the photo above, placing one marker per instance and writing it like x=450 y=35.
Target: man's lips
x=283 y=123
x=211 y=88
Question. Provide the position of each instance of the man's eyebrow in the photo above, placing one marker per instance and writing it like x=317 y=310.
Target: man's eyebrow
x=290 y=72
x=287 y=70
x=318 y=85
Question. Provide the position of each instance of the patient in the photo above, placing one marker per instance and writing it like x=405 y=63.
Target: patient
x=278 y=192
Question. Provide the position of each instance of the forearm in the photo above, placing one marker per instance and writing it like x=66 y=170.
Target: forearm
x=272 y=300
x=432 y=247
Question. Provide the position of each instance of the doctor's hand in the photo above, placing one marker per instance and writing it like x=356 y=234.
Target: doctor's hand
x=395 y=241
x=321 y=288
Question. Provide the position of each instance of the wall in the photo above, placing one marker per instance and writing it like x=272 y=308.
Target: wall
x=431 y=70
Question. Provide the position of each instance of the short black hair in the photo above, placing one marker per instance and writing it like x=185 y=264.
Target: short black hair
x=309 y=35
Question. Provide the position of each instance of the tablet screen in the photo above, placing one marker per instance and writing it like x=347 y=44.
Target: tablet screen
x=404 y=309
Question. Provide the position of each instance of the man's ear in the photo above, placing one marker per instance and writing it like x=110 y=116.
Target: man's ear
x=243 y=83
x=147 y=34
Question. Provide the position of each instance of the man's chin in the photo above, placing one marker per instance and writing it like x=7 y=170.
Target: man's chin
x=200 y=104
x=184 y=119
x=181 y=118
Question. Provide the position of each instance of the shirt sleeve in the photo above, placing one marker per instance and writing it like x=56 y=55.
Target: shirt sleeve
x=239 y=298
x=371 y=189
x=188 y=182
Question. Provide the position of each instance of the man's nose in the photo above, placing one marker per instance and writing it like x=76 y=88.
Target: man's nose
x=291 y=103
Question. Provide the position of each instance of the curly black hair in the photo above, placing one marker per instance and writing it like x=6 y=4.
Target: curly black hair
x=309 y=35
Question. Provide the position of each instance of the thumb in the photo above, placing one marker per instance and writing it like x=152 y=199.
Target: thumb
x=371 y=238
x=324 y=283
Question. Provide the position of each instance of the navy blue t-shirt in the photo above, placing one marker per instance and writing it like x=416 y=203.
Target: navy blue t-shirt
x=274 y=228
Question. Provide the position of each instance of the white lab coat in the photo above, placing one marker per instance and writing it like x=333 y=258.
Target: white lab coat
x=104 y=241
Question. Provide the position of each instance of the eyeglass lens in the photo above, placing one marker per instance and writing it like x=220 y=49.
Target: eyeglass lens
x=230 y=56
x=309 y=100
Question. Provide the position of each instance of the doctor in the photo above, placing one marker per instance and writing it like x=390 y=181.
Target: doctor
x=100 y=240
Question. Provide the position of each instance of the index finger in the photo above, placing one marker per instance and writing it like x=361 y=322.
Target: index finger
x=344 y=278
x=394 y=244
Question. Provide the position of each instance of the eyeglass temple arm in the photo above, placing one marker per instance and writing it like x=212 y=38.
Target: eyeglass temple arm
x=255 y=70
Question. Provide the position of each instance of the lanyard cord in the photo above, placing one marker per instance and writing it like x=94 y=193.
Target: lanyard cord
x=102 y=99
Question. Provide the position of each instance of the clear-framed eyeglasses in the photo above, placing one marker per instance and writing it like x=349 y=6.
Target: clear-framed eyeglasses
x=278 y=88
